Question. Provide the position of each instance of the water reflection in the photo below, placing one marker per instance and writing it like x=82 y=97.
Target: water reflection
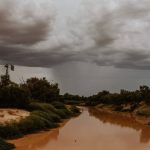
x=36 y=141
x=123 y=120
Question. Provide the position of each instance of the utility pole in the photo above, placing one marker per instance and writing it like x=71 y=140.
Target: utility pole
x=7 y=72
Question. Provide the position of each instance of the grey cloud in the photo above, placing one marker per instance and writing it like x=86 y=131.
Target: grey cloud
x=130 y=59
x=20 y=34
x=108 y=26
x=113 y=27
x=27 y=30
x=102 y=35
x=136 y=60
x=29 y=57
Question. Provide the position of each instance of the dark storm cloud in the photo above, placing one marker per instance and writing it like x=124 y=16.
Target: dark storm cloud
x=107 y=26
x=103 y=31
x=130 y=59
x=119 y=33
x=115 y=33
x=23 y=27
x=23 y=34
x=29 y=57
x=136 y=60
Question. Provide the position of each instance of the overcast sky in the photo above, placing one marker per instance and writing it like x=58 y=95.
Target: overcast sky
x=84 y=45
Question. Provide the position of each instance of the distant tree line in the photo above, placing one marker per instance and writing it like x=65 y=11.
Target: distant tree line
x=124 y=97
x=41 y=90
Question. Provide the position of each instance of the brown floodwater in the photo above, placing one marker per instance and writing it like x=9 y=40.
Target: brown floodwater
x=92 y=130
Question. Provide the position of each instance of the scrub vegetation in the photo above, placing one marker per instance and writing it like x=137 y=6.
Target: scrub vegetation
x=126 y=101
x=41 y=99
x=47 y=108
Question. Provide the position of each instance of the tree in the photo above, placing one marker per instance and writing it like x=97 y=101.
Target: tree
x=41 y=89
x=145 y=92
x=13 y=96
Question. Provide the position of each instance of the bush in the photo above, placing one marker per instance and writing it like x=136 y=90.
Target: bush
x=42 y=107
x=43 y=117
x=58 y=105
x=5 y=146
x=51 y=110
x=10 y=131
x=31 y=124
x=72 y=102
x=34 y=123
x=64 y=113
x=14 y=97
x=75 y=110
x=49 y=116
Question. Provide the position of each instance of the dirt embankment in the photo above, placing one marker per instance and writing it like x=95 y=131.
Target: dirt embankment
x=9 y=115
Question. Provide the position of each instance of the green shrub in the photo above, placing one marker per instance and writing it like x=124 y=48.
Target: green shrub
x=43 y=117
x=58 y=105
x=31 y=124
x=42 y=107
x=10 y=131
x=5 y=146
x=72 y=102
x=75 y=110
x=49 y=116
x=13 y=96
x=35 y=123
x=51 y=110
x=64 y=113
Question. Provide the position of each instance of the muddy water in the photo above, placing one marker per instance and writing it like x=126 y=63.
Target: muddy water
x=92 y=130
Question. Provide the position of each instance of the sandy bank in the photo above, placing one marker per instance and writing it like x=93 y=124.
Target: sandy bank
x=9 y=115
